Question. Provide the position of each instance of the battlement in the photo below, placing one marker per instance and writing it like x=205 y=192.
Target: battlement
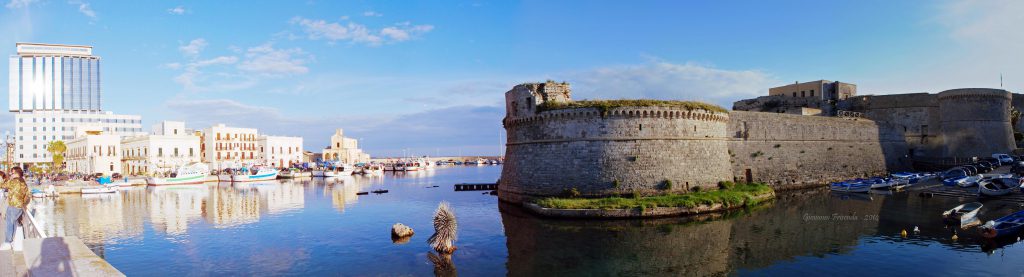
x=621 y=112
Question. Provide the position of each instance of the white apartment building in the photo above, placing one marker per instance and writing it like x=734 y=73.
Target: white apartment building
x=226 y=147
x=280 y=151
x=94 y=152
x=344 y=149
x=55 y=90
x=169 y=146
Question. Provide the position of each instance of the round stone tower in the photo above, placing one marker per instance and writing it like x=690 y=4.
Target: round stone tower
x=598 y=152
x=975 y=122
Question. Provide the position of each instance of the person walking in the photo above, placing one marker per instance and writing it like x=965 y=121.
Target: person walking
x=18 y=197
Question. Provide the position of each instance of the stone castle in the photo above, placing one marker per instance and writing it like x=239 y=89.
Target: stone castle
x=800 y=135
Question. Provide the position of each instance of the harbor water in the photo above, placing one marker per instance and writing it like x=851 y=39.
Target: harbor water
x=322 y=227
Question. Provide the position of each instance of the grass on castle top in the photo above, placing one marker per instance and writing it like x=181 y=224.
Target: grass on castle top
x=740 y=194
x=605 y=105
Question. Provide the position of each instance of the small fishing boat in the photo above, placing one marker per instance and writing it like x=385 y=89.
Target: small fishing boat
x=903 y=175
x=379 y=191
x=338 y=171
x=374 y=169
x=952 y=181
x=362 y=193
x=970 y=181
x=879 y=183
x=997 y=187
x=851 y=186
x=194 y=173
x=962 y=214
x=257 y=174
x=99 y=189
x=1008 y=225
x=293 y=173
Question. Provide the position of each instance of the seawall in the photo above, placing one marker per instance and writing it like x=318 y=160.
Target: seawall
x=794 y=151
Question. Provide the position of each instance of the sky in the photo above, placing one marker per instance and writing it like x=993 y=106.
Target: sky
x=428 y=77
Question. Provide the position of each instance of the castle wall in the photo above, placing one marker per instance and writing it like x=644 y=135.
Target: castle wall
x=639 y=147
x=976 y=122
x=917 y=114
x=789 y=151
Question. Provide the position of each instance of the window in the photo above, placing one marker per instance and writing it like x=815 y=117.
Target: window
x=803 y=93
x=812 y=93
x=175 y=151
x=160 y=152
x=924 y=130
x=794 y=94
x=190 y=153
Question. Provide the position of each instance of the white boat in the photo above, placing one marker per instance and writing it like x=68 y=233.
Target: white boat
x=412 y=166
x=970 y=181
x=998 y=186
x=963 y=214
x=294 y=173
x=99 y=189
x=194 y=173
x=258 y=174
x=389 y=167
x=335 y=172
x=880 y=183
x=374 y=169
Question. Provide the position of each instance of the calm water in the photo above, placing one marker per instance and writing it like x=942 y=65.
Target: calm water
x=323 y=228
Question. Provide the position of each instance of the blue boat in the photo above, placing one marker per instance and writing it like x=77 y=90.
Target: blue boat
x=952 y=181
x=1008 y=225
x=851 y=186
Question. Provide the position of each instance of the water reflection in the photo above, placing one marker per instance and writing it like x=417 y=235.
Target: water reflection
x=322 y=227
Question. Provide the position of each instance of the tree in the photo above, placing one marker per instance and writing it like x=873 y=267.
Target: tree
x=56 y=149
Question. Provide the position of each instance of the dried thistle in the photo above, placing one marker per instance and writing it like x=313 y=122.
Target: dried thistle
x=445 y=227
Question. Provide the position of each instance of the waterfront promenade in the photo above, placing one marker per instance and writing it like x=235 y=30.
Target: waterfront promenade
x=52 y=256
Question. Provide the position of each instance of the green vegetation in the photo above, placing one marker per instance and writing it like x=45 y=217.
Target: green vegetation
x=615 y=184
x=756 y=154
x=667 y=184
x=725 y=185
x=56 y=149
x=605 y=105
x=739 y=194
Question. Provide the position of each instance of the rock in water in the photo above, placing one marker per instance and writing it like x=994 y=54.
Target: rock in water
x=400 y=230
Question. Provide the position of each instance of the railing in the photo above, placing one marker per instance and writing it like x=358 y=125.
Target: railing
x=31 y=227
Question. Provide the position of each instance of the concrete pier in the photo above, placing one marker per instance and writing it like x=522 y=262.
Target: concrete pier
x=52 y=256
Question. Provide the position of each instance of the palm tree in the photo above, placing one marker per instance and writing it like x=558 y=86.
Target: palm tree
x=56 y=149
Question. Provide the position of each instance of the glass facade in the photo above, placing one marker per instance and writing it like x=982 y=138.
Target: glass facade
x=55 y=83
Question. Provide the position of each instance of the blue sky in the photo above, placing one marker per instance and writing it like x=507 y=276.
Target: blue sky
x=430 y=76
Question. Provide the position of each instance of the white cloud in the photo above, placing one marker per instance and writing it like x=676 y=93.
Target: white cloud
x=15 y=4
x=193 y=47
x=669 y=81
x=268 y=61
x=173 y=65
x=372 y=13
x=179 y=10
x=357 y=33
x=85 y=9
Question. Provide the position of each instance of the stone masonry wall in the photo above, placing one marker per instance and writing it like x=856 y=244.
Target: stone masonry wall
x=639 y=147
x=791 y=151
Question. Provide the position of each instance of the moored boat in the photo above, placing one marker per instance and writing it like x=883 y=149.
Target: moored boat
x=257 y=174
x=99 y=189
x=1007 y=225
x=969 y=181
x=962 y=214
x=997 y=187
x=851 y=186
x=194 y=173
x=293 y=173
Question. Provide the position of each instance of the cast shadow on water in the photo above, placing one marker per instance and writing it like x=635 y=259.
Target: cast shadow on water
x=814 y=223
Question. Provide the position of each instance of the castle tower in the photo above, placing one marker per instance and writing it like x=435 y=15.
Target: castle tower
x=975 y=122
x=522 y=100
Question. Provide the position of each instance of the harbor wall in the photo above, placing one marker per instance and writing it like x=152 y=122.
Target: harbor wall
x=793 y=151
x=644 y=150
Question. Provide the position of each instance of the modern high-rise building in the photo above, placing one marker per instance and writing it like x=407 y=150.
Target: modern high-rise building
x=54 y=90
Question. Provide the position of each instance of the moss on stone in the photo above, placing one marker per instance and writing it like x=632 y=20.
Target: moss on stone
x=740 y=194
x=605 y=105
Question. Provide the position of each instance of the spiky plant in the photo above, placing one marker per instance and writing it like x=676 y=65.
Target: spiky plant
x=445 y=227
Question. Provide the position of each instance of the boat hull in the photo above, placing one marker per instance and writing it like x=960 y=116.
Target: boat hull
x=190 y=180
x=99 y=190
x=253 y=178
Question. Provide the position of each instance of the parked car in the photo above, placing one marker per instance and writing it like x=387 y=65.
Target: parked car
x=995 y=162
x=1018 y=168
x=1003 y=158
x=971 y=170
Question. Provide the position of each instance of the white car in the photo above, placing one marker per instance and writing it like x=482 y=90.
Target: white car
x=1003 y=158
